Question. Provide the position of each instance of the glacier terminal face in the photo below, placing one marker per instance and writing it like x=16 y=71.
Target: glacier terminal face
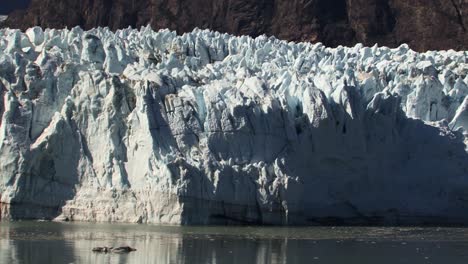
x=208 y=128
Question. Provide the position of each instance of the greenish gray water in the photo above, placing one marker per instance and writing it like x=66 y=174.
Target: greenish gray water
x=45 y=242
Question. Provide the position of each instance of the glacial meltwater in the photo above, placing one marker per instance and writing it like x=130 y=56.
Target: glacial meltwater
x=49 y=242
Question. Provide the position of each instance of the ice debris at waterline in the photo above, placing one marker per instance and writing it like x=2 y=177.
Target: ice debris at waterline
x=207 y=128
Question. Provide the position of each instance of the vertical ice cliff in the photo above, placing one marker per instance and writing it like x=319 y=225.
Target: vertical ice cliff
x=151 y=127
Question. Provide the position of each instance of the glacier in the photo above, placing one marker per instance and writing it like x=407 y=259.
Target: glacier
x=209 y=128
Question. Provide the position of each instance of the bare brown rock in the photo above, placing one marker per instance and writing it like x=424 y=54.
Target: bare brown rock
x=423 y=24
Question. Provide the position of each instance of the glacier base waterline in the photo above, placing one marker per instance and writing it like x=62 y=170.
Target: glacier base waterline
x=208 y=128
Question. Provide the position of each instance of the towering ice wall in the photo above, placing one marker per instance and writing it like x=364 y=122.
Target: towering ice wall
x=207 y=128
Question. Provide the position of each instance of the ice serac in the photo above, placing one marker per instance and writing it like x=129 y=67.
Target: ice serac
x=208 y=128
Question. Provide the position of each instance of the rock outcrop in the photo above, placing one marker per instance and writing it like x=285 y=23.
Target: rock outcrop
x=424 y=25
x=208 y=128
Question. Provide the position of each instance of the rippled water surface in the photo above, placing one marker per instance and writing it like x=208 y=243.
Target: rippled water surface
x=44 y=242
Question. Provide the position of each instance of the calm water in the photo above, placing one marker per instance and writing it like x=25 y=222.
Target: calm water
x=42 y=242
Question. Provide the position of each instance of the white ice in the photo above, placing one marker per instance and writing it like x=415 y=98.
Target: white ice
x=144 y=126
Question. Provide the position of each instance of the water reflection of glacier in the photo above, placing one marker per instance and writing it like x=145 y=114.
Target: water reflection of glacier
x=32 y=242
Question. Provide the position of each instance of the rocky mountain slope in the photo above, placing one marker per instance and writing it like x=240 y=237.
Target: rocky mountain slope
x=208 y=128
x=423 y=24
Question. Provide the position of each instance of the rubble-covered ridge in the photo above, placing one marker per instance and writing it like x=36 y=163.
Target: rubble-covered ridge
x=207 y=128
